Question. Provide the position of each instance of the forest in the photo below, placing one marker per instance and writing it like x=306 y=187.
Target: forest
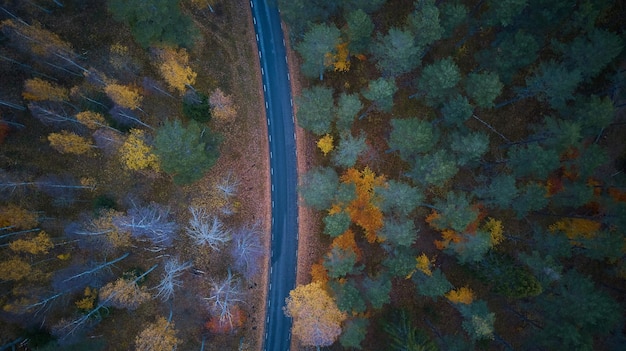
x=131 y=168
x=469 y=177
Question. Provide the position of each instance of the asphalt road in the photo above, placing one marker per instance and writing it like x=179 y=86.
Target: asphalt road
x=280 y=121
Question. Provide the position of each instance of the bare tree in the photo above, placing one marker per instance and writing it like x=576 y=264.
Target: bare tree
x=205 y=229
x=225 y=295
x=171 y=278
x=228 y=186
x=150 y=222
x=247 y=250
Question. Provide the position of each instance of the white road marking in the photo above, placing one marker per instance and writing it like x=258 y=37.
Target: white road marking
x=262 y=70
x=264 y=88
x=257 y=37
x=251 y=4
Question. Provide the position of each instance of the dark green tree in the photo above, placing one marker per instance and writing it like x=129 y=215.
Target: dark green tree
x=453 y=14
x=456 y=110
x=158 y=22
x=478 y=321
x=400 y=261
x=434 y=285
x=339 y=262
x=591 y=52
x=301 y=14
x=483 y=88
x=187 y=151
x=359 y=28
x=439 y=80
x=469 y=148
x=319 y=187
x=503 y=12
x=348 y=150
x=498 y=192
x=553 y=82
x=456 y=211
x=574 y=312
x=472 y=248
x=511 y=51
x=377 y=290
x=336 y=224
x=412 y=136
x=315 y=107
x=403 y=336
x=424 y=23
x=532 y=197
x=319 y=41
x=354 y=332
x=532 y=160
x=396 y=52
x=399 y=232
x=399 y=199
x=381 y=92
x=348 y=106
x=348 y=297
x=434 y=168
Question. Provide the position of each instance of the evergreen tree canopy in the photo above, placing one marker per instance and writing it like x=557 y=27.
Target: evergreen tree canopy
x=439 y=80
x=315 y=107
x=158 y=22
x=318 y=43
x=396 y=52
x=186 y=152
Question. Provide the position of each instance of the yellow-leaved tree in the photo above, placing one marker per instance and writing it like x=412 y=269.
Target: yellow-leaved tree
x=157 y=336
x=14 y=269
x=15 y=217
x=124 y=293
x=462 y=295
x=39 y=244
x=316 y=317
x=86 y=303
x=91 y=120
x=37 y=89
x=123 y=95
x=69 y=143
x=136 y=154
x=325 y=144
x=174 y=68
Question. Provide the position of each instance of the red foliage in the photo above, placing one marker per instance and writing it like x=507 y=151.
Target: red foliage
x=472 y=227
x=217 y=326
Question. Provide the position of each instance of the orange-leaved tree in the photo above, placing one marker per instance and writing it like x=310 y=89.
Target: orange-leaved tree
x=316 y=317
x=462 y=295
x=174 y=68
x=219 y=325
x=347 y=241
x=364 y=210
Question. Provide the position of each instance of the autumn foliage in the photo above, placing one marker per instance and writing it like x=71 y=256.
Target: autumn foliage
x=40 y=244
x=219 y=325
x=136 y=154
x=576 y=228
x=325 y=144
x=316 y=317
x=90 y=119
x=157 y=336
x=37 y=89
x=17 y=218
x=123 y=95
x=363 y=210
x=222 y=106
x=347 y=241
x=462 y=295
x=174 y=68
x=69 y=143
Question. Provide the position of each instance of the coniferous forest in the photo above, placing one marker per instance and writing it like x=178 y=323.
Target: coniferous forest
x=469 y=175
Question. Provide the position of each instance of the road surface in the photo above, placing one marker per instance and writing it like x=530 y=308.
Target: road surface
x=280 y=121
